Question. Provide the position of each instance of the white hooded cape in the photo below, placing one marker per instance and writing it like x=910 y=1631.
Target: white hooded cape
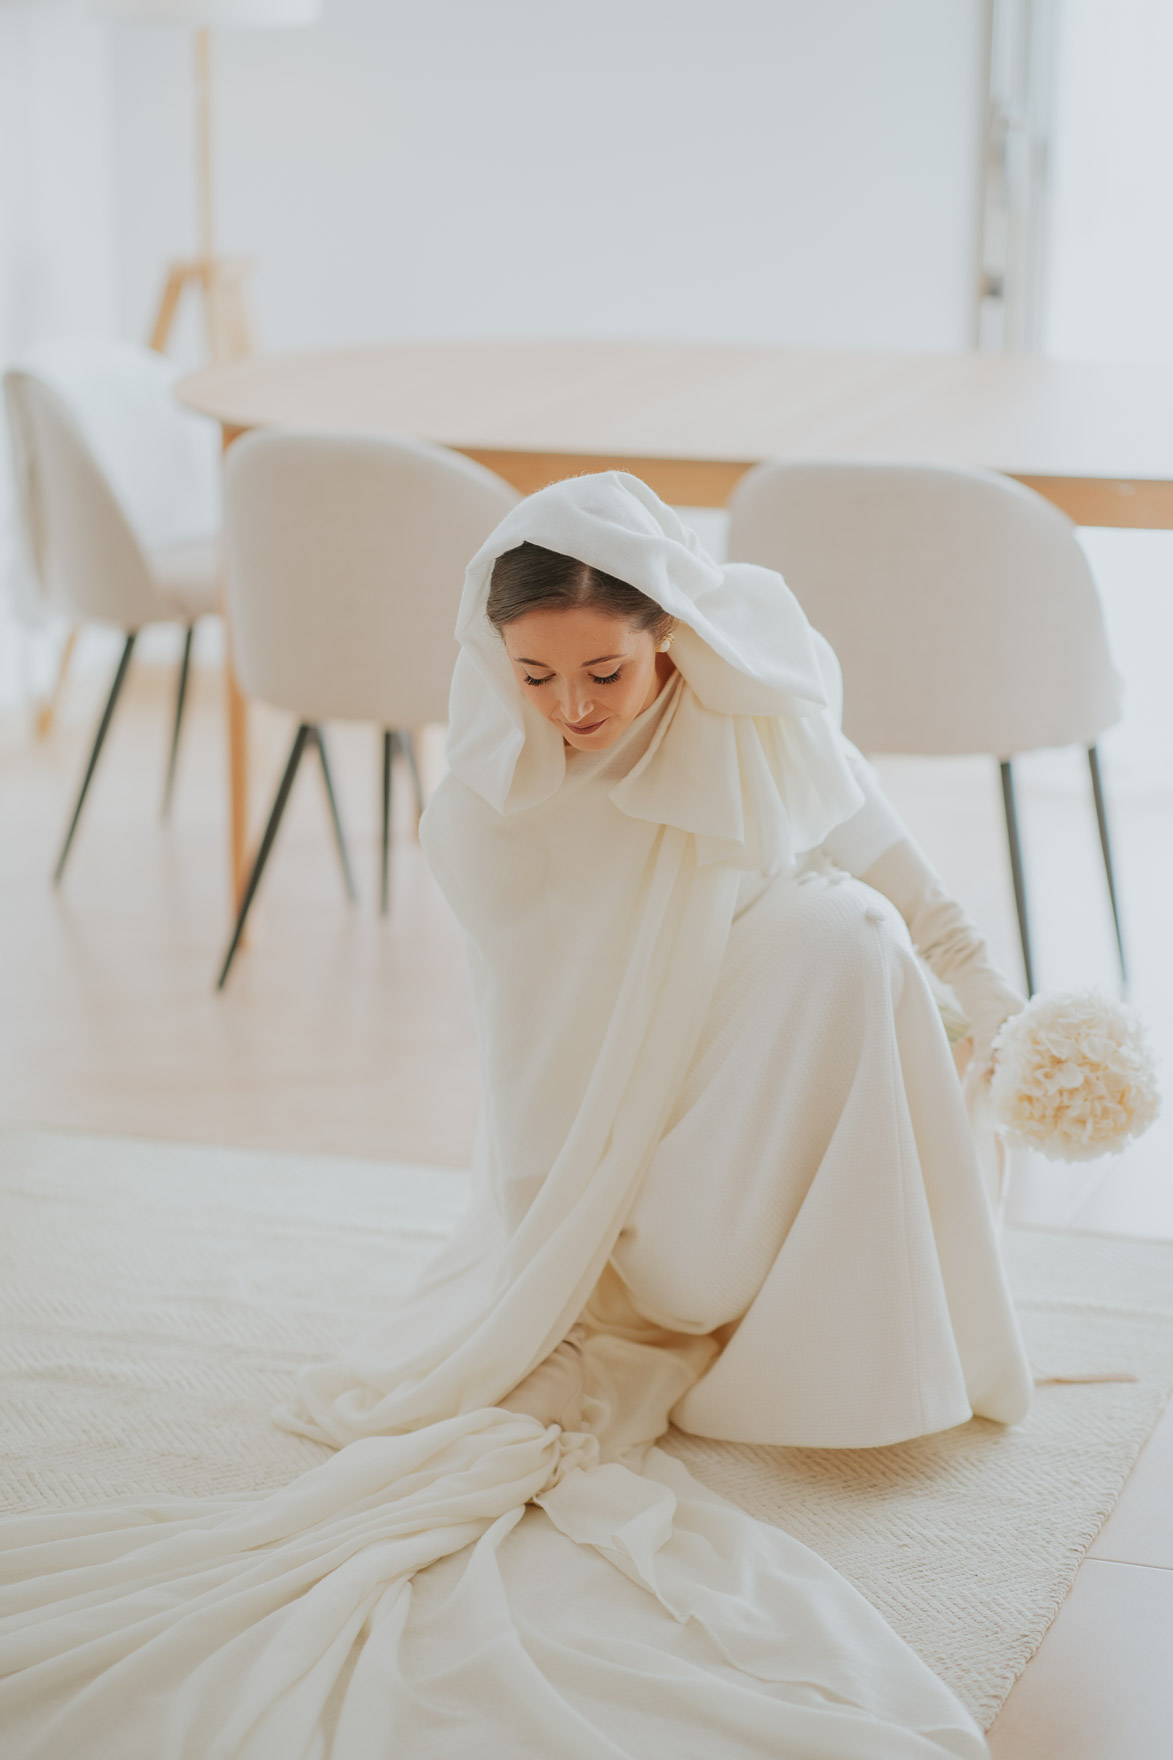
x=401 y=1598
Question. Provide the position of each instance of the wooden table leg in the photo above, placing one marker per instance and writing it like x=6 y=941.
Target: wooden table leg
x=236 y=711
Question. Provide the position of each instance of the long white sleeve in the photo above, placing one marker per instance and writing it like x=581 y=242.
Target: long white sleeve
x=861 y=840
x=875 y=846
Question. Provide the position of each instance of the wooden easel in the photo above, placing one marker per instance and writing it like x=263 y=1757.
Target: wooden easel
x=221 y=281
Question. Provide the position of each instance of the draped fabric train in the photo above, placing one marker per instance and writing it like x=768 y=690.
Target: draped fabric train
x=402 y=1599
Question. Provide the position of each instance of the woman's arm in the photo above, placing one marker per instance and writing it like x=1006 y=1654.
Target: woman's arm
x=875 y=847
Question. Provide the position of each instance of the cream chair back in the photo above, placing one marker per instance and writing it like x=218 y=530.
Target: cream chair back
x=87 y=559
x=962 y=609
x=161 y=461
x=345 y=558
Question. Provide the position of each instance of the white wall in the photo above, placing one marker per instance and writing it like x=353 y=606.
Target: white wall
x=57 y=238
x=1110 y=251
x=1109 y=297
x=755 y=170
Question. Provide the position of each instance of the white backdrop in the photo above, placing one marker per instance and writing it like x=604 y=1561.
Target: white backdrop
x=751 y=170
x=1109 y=296
x=1110 y=282
x=57 y=233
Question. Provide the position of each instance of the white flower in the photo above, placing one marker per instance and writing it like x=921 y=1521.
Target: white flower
x=1073 y=1076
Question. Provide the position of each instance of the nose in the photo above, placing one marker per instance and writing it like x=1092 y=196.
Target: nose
x=577 y=704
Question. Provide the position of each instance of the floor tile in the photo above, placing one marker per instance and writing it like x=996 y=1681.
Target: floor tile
x=1140 y=1528
x=1100 y=1687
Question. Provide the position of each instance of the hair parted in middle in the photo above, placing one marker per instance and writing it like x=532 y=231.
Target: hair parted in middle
x=531 y=578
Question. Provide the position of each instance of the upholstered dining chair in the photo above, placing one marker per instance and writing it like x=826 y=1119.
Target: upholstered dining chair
x=962 y=609
x=345 y=558
x=117 y=494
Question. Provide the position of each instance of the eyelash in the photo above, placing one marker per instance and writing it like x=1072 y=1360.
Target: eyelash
x=610 y=679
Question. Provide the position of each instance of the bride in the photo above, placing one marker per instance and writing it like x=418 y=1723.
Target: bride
x=725 y=1178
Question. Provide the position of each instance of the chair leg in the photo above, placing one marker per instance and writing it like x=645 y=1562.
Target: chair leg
x=385 y=854
x=347 y=876
x=180 y=700
x=1011 y=812
x=47 y=710
x=304 y=732
x=99 y=741
x=1093 y=760
x=407 y=741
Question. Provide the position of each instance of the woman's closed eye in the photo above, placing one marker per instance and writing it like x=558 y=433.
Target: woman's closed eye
x=610 y=678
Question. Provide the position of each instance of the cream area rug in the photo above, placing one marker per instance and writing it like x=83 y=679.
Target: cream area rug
x=157 y=1300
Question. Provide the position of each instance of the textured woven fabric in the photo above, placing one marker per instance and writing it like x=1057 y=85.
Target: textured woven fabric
x=158 y=1299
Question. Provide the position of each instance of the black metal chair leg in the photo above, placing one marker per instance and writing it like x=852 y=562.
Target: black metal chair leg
x=180 y=700
x=1016 y=870
x=304 y=732
x=385 y=855
x=347 y=876
x=99 y=741
x=1093 y=760
x=407 y=741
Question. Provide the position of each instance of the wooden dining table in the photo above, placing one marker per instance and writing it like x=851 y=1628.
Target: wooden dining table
x=692 y=418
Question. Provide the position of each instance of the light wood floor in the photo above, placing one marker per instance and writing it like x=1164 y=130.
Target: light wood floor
x=342 y=1032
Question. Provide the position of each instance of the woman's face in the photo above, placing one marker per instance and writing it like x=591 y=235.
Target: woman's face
x=589 y=672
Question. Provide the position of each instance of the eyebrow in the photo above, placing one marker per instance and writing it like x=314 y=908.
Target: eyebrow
x=522 y=661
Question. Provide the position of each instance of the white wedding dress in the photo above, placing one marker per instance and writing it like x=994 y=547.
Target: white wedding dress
x=725 y=1174
x=816 y=1196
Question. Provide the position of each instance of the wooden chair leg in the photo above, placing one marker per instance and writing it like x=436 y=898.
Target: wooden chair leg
x=1093 y=760
x=1012 y=838
x=305 y=732
x=95 y=751
x=47 y=710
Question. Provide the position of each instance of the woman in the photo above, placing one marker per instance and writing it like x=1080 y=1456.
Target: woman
x=725 y=1174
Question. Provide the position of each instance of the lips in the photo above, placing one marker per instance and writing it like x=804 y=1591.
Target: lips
x=591 y=726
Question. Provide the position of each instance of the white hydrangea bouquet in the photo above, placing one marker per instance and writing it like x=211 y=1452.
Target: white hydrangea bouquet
x=1073 y=1077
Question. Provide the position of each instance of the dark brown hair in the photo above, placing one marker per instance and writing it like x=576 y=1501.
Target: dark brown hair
x=530 y=578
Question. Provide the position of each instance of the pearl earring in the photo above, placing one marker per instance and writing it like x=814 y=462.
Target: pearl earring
x=666 y=643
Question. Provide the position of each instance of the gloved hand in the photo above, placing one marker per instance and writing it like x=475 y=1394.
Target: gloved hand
x=948 y=941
